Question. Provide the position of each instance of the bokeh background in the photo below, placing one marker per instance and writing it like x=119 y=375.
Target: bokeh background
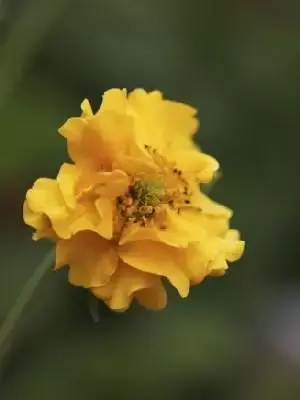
x=236 y=337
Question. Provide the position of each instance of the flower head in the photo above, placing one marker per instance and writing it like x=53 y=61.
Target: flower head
x=130 y=211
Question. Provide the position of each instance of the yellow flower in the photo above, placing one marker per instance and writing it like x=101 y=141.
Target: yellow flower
x=129 y=211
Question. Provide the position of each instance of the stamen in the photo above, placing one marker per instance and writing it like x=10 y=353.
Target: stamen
x=148 y=197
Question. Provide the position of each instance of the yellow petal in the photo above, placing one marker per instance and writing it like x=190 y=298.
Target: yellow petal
x=198 y=258
x=158 y=259
x=37 y=221
x=179 y=231
x=46 y=198
x=111 y=184
x=92 y=260
x=207 y=224
x=194 y=162
x=208 y=206
x=86 y=218
x=233 y=247
x=105 y=209
x=114 y=132
x=86 y=109
x=66 y=180
x=128 y=283
x=114 y=100
x=179 y=118
x=153 y=298
x=160 y=121
x=229 y=249
x=84 y=142
x=73 y=128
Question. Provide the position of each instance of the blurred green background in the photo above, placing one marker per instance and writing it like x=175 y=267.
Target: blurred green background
x=236 y=337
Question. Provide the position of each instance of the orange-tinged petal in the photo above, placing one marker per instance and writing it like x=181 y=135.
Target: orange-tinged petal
x=158 y=259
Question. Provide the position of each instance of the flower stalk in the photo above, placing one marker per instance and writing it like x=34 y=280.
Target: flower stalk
x=8 y=326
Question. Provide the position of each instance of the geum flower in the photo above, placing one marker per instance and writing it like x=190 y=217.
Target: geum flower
x=130 y=210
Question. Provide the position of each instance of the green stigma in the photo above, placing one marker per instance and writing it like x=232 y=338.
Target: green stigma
x=148 y=193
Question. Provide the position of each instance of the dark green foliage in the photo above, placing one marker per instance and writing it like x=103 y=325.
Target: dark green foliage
x=238 y=63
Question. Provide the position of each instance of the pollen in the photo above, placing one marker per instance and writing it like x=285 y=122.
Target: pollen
x=148 y=192
x=142 y=202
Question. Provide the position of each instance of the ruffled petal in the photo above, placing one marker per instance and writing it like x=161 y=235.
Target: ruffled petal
x=114 y=100
x=86 y=109
x=158 y=259
x=37 y=221
x=128 y=283
x=153 y=298
x=46 y=198
x=159 y=122
x=230 y=248
x=105 y=209
x=233 y=247
x=198 y=257
x=66 y=180
x=203 y=166
x=92 y=260
x=110 y=184
x=208 y=206
x=177 y=231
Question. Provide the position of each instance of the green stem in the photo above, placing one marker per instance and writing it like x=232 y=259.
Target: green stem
x=22 y=300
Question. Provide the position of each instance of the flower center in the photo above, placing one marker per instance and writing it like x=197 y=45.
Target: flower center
x=148 y=197
x=147 y=192
x=142 y=203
